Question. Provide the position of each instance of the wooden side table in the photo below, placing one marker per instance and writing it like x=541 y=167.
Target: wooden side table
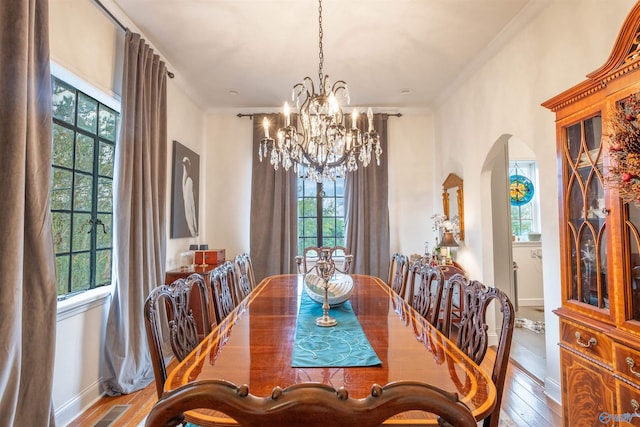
x=184 y=272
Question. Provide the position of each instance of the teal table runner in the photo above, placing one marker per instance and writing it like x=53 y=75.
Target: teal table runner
x=342 y=345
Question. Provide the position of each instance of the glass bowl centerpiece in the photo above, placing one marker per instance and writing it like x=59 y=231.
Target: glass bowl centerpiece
x=324 y=286
x=339 y=288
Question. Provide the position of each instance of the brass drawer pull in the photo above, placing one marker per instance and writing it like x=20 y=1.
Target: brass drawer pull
x=591 y=343
x=635 y=405
x=632 y=365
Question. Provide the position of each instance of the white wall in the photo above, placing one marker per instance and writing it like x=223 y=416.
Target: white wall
x=528 y=257
x=88 y=45
x=554 y=51
x=414 y=193
x=228 y=173
x=185 y=124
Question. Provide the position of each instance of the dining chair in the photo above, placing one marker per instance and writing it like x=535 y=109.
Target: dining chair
x=426 y=283
x=471 y=331
x=398 y=273
x=245 y=279
x=169 y=316
x=340 y=256
x=223 y=289
x=310 y=405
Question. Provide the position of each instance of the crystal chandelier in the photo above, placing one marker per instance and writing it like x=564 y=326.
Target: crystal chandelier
x=321 y=146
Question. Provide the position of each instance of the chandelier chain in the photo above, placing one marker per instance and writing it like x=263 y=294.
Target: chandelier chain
x=321 y=54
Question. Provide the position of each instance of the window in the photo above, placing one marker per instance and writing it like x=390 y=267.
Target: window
x=84 y=135
x=525 y=217
x=320 y=213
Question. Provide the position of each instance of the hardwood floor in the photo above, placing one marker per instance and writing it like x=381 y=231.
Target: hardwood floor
x=524 y=403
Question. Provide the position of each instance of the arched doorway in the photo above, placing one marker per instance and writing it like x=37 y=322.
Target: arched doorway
x=515 y=267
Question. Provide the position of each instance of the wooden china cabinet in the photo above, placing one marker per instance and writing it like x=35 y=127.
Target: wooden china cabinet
x=600 y=247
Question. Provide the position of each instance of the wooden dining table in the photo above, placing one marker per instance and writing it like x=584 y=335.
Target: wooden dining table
x=254 y=346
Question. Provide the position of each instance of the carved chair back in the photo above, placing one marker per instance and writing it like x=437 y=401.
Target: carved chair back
x=426 y=283
x=398 y=273
x=310 y=405
x=168 y=316
x=245 y=279
x=472 y=330
x=222 y=280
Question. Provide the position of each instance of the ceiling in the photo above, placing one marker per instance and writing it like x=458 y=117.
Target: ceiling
x=248 y=54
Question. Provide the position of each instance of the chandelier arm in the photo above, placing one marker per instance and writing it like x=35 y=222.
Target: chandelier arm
x=338 y=86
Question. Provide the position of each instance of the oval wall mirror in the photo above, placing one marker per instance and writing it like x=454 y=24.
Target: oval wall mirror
x=453 y=200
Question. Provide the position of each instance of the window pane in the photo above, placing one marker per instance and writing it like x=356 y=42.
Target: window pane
x=62 y=274
x=340 y=207
x=61 y=186
x=526 y=211
x=81 y=272
x=328 y=207
x=328 y=227
x=309 y=207
x=105 y=160
x=103 y=267
x=104 y=233
x=105 y=197
x=87 y=113
x=62 y=146
x=310 y=228
x=310 y=187
x=64 y=101
x=340 y=229
x=81 y=232
x=84 y=153
x=329 y=241
x=107 y=126
x=83 y=192
x=329 y=188
x=61 y=224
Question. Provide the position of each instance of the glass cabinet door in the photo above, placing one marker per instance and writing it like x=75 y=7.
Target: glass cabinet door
x=633 y=249
x=585 y=216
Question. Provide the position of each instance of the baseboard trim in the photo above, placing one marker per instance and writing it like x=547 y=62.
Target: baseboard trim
x=71 y=409
x=531 y=302
x=552 y=390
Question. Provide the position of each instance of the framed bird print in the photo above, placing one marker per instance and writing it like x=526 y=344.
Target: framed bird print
x=185 y=191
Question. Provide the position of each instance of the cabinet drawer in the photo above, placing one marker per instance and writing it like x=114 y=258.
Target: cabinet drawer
x=627 y=363
x=627 y=405
x=588 y=391
x=586 y=341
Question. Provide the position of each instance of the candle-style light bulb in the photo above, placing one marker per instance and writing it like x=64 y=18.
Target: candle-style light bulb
x=333 y=104
x=370 y=118
x=265 y=125
x=354 y=118
x=286 y=114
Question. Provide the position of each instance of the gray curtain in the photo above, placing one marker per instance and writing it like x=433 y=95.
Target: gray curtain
x=366 y=202
x=274 y=210
x=27 y=260
x=140 y=210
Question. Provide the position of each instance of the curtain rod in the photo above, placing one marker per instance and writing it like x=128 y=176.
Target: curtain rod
x=121 y=25
x=251 y=115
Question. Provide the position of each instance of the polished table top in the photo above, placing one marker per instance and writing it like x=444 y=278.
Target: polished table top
x=254 y=346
